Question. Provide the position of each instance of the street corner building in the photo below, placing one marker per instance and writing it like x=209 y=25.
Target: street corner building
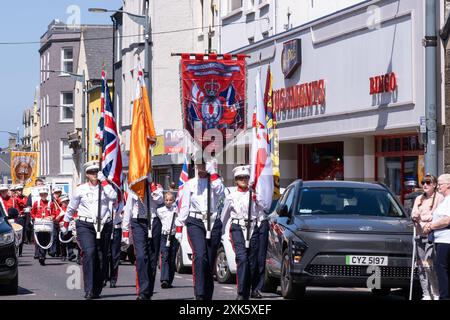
x=349 y=94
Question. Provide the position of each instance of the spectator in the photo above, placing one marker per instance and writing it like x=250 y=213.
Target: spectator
x=422 y=213
x=441 y=219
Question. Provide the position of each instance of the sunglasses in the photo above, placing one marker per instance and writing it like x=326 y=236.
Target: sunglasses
x=92 y=172
x=242 y=177
x=427 y=182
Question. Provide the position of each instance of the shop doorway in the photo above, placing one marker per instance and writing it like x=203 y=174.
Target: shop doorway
x=321 y=161
x=399 y=163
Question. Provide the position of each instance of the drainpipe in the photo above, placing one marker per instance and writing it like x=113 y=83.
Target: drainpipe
x=430 y=43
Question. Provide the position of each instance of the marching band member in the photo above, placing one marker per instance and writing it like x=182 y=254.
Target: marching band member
x=55 y=250
x=42 y=209
x=66 y=248
x=193 y=215
x=145 y=248
x=32 y=198
x=95 y=252
x=8 y=200
x=21 y=201
x=169 y=245
x=236 y=208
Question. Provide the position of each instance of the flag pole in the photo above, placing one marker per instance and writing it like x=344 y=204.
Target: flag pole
x=249 y=218
x=149 y=213
x=99 y=215
x=208 y=208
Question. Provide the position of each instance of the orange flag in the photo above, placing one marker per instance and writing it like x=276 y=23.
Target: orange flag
x=143 y=137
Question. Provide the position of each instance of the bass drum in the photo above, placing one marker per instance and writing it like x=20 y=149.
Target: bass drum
x=43 y=233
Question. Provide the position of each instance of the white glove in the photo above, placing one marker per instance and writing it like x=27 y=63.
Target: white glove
x=211 y=166
x=63 y=230
x=101 y=176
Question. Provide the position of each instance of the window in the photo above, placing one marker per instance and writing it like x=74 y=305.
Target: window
x=47 y=67
x=66 y=106
x=48 y=158
x=251 y=40
x=67 y=59
x=47 y=112
x=66 y=158
x=265 y=34
x=42 y=68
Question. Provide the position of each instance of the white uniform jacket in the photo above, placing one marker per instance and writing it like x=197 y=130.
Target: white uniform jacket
x=195 y=196
x=85 y=200
x=135 y=209
x=166 y=215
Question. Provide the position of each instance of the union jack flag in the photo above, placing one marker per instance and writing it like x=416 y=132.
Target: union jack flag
x=108 y=138
x=184 y=177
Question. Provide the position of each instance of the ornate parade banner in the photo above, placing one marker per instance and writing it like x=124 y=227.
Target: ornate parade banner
x=213 y=95
x=24 y=168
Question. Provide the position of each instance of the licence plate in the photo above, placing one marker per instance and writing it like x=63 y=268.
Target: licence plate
x=366 y=260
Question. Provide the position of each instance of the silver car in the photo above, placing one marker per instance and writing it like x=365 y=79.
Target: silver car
x=338 y=234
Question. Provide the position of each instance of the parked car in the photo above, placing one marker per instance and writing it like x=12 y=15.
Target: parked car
x=332 y=233
x=9 y=274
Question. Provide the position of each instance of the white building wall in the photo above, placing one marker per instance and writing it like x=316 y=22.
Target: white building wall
x=354 y=159
x=257 y=17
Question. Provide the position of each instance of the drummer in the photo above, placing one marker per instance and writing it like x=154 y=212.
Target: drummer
x=66 y=248
x=42 y=209
x=55 y=250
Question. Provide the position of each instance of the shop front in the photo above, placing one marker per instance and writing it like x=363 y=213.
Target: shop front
x=349 y=97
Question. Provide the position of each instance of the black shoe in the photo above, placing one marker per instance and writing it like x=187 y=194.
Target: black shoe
x=199 y=298
x=20 y=254
x=105 y=283
x=256 y=295
x=72 y=257
x=240 y=297
x=63 y=258
x=79 y=261
x=165 y=285
x=36 y=257
x=143 y=297
x=112 y=284
x=42 y=262
x=51 y=255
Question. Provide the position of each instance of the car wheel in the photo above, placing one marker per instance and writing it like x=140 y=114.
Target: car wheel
x=11 y=288
x=180 y=267
x=381 y=292
x=270 y=283
x=223 y=274
x=289 y=289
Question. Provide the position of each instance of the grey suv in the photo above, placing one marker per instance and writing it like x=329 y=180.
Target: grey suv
x=338 y=234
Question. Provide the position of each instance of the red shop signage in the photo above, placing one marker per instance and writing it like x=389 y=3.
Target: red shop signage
x=383 y=83
x=300 y=96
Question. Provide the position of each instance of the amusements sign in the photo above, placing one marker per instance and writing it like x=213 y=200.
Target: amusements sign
x=213 y=95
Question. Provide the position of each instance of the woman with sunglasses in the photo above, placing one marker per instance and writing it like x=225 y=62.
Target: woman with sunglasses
x=422 y=213
x=439 y=227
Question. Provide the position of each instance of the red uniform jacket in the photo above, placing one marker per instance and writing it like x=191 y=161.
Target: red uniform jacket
x=21 y=203
x=9 y=202
x=42 y=209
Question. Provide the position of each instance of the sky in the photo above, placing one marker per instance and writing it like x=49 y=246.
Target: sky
x=25 y=21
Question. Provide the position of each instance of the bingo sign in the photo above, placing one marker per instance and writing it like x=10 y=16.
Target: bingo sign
x=173 y=141
x=291 y=57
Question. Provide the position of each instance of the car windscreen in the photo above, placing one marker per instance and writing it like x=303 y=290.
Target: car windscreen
x=358 y=201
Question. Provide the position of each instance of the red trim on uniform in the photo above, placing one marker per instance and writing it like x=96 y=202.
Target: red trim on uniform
x=104 y=183
x=66 y=224
x=179 y=229
x=126 y=234
x=214 y=177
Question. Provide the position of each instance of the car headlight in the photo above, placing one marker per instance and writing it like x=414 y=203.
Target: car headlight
x=7 y=238
x=298 y=249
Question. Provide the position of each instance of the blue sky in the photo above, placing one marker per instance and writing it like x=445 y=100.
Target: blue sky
x=19 y=64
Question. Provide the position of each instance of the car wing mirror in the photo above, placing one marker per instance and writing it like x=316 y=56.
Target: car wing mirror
x=283 y=211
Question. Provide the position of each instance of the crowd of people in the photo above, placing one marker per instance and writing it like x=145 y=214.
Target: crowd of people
x=107 y=221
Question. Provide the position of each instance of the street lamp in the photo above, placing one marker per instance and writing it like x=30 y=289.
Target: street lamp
x=143 y=20
x=79 y=78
